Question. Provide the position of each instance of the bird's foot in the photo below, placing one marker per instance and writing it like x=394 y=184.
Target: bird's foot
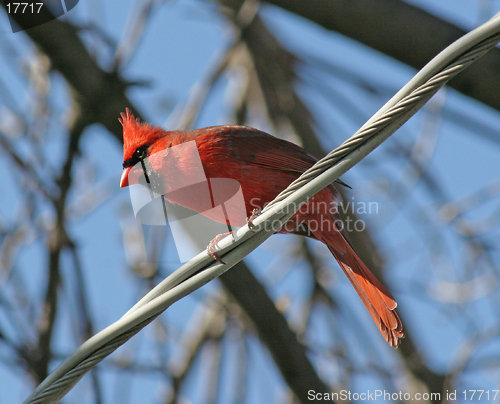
x=212 y=247
x=255 y=213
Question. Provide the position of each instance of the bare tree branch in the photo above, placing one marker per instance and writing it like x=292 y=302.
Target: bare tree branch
x=288 y=353
x=404 y=32
x=101 y=94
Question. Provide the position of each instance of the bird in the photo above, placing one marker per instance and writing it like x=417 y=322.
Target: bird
x=263 y=166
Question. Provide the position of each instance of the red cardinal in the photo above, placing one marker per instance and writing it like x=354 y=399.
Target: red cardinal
x=263 y=166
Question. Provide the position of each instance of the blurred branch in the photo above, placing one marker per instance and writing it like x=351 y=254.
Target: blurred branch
x=45 y=325
x=464 y=355
x=272 y=327
x=83 y=305
x=417 y=170
x=452 y=210
x=134 y=32
x=27 y=168
x=205 y=325
x=58 y=239
x=186 y=118
x=404 y=32
x=101 y=94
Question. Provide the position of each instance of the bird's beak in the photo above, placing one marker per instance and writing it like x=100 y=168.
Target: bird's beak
x=124 y=180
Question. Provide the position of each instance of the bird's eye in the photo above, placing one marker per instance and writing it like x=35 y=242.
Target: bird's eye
x=140 y=153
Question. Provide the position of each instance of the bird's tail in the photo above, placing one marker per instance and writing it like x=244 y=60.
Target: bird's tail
x=374 y=295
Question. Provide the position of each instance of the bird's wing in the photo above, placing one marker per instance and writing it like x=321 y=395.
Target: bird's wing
x=259 y=148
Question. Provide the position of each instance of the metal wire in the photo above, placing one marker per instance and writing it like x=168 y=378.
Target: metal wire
x=201 y=269
x=58 y=390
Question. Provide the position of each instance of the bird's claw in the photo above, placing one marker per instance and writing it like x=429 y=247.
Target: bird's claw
x=212 y=247
x=251 y=226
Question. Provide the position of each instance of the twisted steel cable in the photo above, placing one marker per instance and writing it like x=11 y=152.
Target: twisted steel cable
x=56 y=391
x=202 y=269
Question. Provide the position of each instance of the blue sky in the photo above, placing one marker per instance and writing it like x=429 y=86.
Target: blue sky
x=180 y=43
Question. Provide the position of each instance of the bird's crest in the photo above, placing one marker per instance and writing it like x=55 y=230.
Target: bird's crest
x=136 y=133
